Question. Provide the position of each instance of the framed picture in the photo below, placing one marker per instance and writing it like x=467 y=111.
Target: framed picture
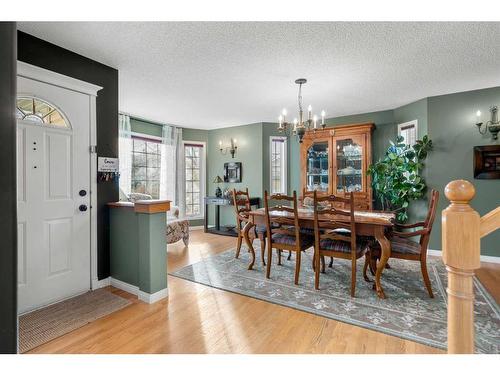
x=487 y=162
x=232 y=172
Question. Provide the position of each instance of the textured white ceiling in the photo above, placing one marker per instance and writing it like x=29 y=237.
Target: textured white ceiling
x=216 y=74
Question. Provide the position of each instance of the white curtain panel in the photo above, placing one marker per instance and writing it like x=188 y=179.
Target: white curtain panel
x=171 y=184
x=125 y=152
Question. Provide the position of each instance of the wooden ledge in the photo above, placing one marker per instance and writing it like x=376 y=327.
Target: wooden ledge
x=152 y=206
x=145 y=206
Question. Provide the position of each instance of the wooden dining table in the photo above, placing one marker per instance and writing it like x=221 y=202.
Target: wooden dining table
x=368 y=223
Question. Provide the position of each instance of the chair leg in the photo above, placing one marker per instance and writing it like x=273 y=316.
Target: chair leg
x=279 y=256
x=316 y=271
x=297 y=267
x=322 y=264
x=314 y=262
x=373 y=265
x=353 y=276
x=262 y=248
x=238 y=245
x=331 y=262
x=269 y=260
x=427 y=281
x=289 y=255
x=365 y=267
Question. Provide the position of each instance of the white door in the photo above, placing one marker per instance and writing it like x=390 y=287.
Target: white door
x=53 y=186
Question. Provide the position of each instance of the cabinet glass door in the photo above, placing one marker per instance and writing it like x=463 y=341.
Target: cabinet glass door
x=318 y=172
x=350 y=171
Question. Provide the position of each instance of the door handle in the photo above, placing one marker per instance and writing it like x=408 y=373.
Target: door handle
x=83 y=207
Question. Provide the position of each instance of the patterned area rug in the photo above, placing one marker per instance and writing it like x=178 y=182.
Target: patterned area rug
x=41 y=326
x=408 y=312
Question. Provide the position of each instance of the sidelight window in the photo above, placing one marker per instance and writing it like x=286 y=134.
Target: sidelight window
x=278 y=165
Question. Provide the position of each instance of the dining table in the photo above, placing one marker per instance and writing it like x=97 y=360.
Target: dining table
x=376 y=224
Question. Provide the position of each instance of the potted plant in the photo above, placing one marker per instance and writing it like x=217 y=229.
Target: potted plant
x=397 y=179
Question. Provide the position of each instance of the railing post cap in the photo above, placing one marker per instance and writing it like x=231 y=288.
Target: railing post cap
x=459 y=191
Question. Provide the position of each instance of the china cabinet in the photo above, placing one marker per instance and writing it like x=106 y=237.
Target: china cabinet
x=334 y=161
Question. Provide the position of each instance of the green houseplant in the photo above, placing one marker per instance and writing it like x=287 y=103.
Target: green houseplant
x=397 y=179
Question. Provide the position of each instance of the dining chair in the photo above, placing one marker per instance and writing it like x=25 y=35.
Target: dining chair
x=241 y=203
x=335 y=234
x=402 y=247
x=282 y=222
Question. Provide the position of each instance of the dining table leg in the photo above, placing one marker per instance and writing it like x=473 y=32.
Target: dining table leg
x=246 y=235
x=385 y=246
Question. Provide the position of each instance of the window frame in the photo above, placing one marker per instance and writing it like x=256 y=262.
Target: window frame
x=284 y=175
x=203 y=181
x=409 y=124
x=147 y=138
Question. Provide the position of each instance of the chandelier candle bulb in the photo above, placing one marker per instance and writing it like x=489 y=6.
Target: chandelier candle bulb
x=309 y=112
x=323 y=117
x=315 y=121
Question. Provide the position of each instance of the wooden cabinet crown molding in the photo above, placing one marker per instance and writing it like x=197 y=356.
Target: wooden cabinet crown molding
x=338 y=130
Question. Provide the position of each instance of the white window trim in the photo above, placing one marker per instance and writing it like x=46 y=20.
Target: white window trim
x=409 y=123
x=203 y=181
x=285 y=164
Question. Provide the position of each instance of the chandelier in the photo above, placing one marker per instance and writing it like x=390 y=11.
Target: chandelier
x=299 y=126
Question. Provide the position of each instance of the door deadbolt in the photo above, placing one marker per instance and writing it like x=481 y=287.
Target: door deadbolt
x=82 y=193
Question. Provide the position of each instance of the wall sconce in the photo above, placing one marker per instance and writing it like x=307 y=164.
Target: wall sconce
x=493 y=125
x=232 y=149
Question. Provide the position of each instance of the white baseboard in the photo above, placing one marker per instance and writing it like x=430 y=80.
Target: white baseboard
x=143 y=296
x=152 y=298
x=132 y=289
x=97 y=284
x=484 y=258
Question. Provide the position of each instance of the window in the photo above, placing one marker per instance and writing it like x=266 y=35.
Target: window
x=278 y=165
x=408 y=131
x=40 y=112
x=194 y=163
x=146 y=166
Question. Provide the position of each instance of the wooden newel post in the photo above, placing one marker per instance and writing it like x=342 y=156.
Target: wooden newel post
x=461 y=254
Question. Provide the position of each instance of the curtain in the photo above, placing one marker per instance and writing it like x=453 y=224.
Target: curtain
x=172 y=170
x=125 y=153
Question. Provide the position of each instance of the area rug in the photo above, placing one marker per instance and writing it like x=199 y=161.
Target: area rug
x=408 y=312
x=41 y=326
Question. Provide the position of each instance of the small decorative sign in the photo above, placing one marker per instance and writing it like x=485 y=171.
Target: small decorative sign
x=107 y=164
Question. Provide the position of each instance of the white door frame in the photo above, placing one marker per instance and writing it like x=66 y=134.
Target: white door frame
x=43 y=75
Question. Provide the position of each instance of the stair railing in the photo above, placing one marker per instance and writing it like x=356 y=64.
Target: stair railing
x=462 y=229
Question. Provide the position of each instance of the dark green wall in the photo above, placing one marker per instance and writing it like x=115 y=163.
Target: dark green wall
x=451 y=128
x=8 y=199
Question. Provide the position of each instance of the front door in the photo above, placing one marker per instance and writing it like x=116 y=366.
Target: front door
x=53 y=185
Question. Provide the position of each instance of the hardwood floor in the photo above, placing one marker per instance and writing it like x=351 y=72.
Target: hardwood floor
x=200 y=319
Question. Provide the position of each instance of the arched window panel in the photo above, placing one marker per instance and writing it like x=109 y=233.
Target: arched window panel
x=38 y=111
